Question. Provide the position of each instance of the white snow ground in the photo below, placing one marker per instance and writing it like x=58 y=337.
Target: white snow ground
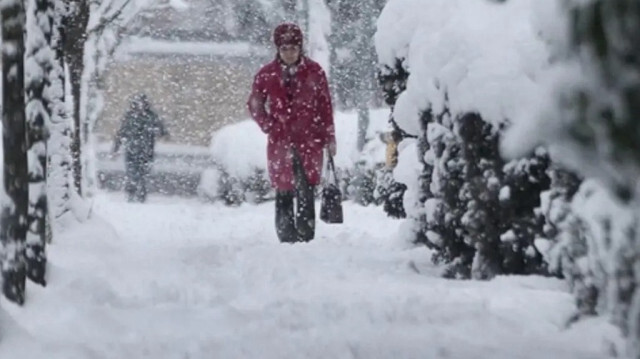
x=181 y=279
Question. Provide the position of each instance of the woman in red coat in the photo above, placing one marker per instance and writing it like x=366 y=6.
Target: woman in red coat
x=291 y=103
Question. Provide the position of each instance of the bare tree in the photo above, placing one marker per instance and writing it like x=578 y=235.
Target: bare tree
x=79 y=29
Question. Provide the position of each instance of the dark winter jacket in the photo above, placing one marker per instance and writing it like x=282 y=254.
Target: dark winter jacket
x=295 y=110
x=139 y=129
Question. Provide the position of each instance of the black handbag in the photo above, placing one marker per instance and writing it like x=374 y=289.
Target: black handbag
x=331 y=203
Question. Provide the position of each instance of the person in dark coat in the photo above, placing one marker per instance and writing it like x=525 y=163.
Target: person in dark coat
x=291 y=103
x=138 y=130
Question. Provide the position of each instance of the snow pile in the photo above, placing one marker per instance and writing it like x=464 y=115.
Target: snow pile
x=240 y=148
x=239 y=151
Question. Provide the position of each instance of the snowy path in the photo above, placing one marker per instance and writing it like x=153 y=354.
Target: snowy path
x=178 y=279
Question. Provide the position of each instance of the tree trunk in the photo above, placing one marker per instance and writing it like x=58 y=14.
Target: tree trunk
x=74 y=40
x=334 y=44
x=363 y=124
x=14 y=212
x=75 y=77
x=60 y=140
x=366 y=59
x=40 y=56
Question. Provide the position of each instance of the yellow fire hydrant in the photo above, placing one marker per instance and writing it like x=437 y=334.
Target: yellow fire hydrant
x=392 y=140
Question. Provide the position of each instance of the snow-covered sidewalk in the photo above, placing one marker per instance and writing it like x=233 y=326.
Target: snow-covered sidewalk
x=181 y=279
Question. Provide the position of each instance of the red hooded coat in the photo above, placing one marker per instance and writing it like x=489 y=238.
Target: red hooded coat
x=299 y=115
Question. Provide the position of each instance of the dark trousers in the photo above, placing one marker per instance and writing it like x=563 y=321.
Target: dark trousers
x=136 y=181
x=301 y=226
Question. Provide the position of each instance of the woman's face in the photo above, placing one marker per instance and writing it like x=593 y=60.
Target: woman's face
x=289 y=54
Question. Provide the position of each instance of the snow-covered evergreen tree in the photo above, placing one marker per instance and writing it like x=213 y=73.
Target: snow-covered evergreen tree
x=440 y=181
x=482 y=178
x=441 y=227
x=588 y=118
x=476 y=209
x=40 y=62
x=567 y=234
x=559 y=226
x=479 y=210
x=523 y=182
x=13 y=219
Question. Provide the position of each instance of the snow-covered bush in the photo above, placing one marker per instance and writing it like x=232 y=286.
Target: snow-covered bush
x=587 y=115
x=562 y=75
x=217 y=184
x=480 y=210
x=457 y=91
x=593 y=244
x=240 y=153
x=562 y=243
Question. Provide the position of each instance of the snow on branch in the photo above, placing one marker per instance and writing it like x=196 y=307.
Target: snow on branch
x=108 y=20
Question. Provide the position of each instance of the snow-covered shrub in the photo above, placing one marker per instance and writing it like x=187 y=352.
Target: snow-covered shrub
x=479 y=211
x=360 y=182
x=568 y=236
x=217 y=184
x=562 y=243
x=240 y=153
x=563 y=75
x=439 y=225
x=594 y=248
x=358 y=170
x=523 y=182
x=455 y=77
x=587 y=115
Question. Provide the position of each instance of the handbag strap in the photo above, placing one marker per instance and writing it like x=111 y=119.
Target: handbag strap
x=332 y=168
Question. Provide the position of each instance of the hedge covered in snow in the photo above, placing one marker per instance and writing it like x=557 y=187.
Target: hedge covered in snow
x=239 y=151
x=529 y=140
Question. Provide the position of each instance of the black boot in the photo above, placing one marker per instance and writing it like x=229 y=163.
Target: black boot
x=305 y=195
x=285 y=225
